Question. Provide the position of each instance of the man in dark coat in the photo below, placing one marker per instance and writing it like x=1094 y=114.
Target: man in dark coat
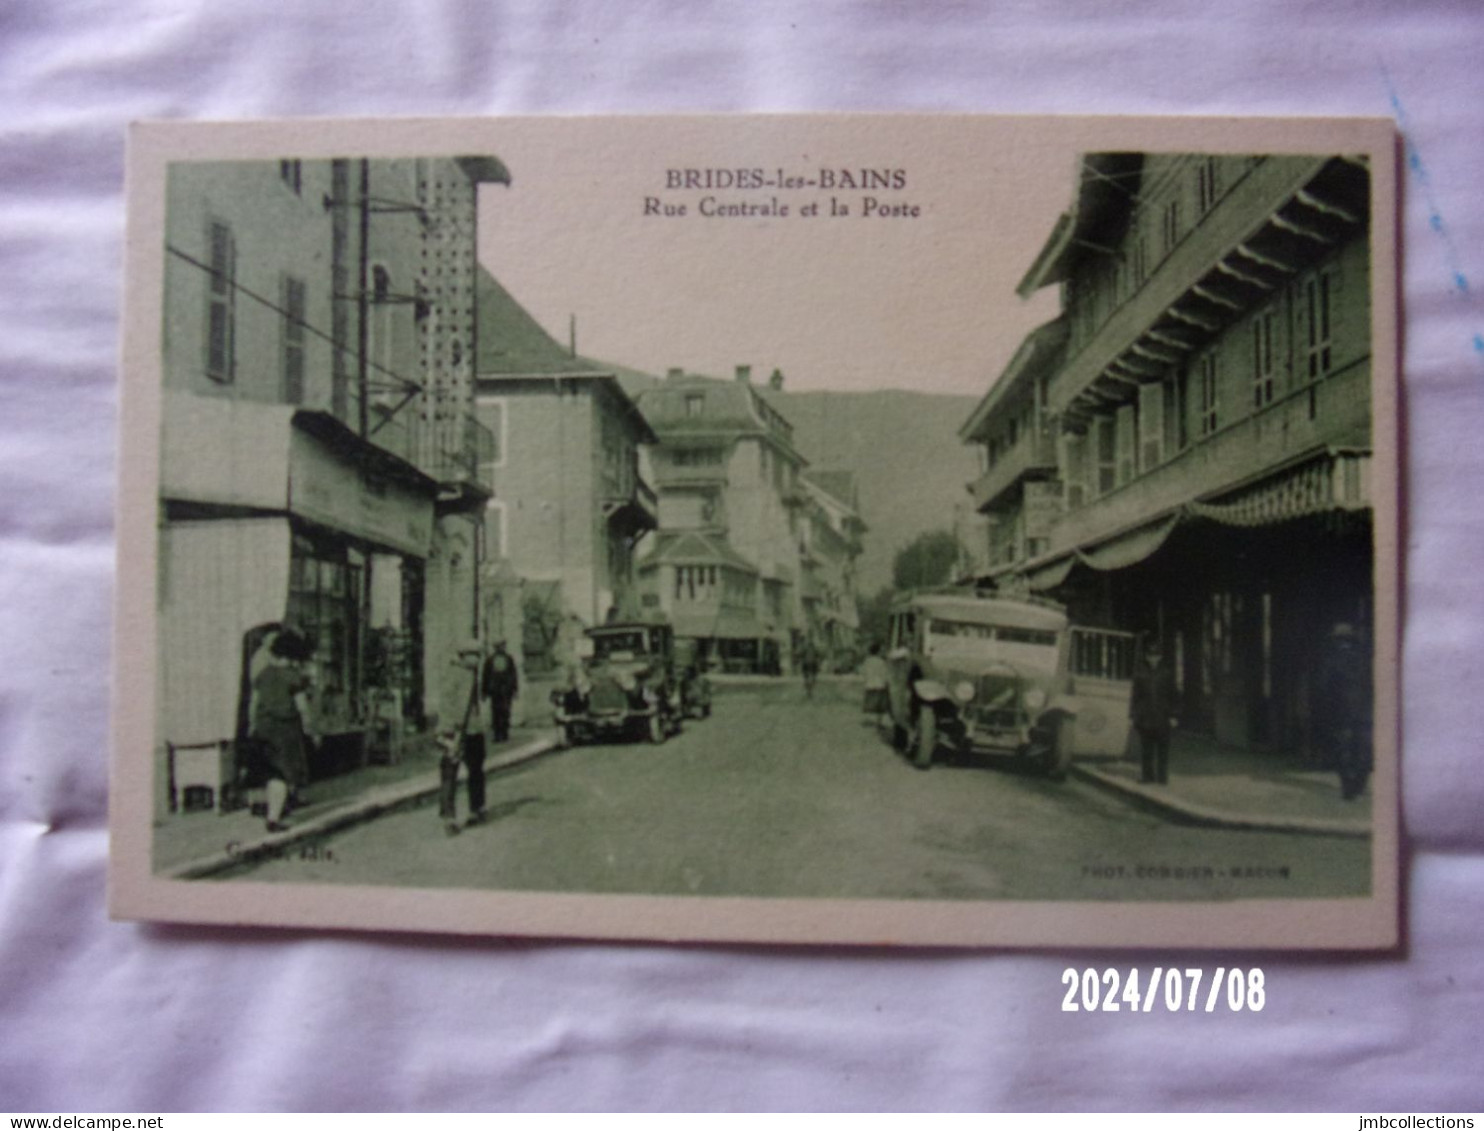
x=462 y=744
x=1152 y=710
x=501 y=684
x=1341 y=708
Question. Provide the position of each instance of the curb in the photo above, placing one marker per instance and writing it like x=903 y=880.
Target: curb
x=1189 y=813
x=363 y=808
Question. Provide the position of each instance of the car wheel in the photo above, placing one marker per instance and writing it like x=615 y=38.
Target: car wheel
x=926 y=737
x=656 y=728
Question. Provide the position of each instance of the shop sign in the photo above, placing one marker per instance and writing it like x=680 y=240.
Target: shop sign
x=342 y=493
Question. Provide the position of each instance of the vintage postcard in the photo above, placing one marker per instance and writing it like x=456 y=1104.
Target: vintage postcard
x=915 y=530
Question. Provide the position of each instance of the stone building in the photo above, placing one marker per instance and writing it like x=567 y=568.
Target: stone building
x=570 y=506
x=319 y=455
x=725 y=565
x=1185 y=452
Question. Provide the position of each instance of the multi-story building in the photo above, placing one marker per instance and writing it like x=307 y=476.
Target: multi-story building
x=320 y=459
x=1185 y=452
x=829 y=544
x=570 y=505
x=725 y=564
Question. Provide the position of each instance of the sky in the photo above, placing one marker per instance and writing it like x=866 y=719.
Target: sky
x=849 y=302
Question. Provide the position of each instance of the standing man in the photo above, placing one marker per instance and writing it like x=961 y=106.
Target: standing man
x=1341 y=708
x=463 y=743
x=501 y=685
x=809 y=663
x=1152 y=709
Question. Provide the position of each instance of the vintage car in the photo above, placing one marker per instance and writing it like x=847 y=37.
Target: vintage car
x=625 y=687
x=1004 y=677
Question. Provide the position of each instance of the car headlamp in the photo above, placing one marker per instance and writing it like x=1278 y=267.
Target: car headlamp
x=963 y=691
x=1035 y=699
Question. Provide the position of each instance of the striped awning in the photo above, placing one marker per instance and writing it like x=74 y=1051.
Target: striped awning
x=1337 y=481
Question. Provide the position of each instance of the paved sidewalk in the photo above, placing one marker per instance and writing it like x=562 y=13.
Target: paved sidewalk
x=192 y=845
x=1227 y=787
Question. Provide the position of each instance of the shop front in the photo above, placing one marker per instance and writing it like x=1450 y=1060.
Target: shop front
x=296 y=522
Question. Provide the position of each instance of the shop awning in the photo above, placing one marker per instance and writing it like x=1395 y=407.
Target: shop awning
x=1339 y=480
x=1051 y=575
x=1129 y=548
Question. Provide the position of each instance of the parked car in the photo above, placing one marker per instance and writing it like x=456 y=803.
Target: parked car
x=994 y=676
x=624 y=686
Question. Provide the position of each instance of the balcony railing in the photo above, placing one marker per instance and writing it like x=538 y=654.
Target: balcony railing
x=1340 y=413
x=450 y=451
x=707 y=475
x=1035 y=454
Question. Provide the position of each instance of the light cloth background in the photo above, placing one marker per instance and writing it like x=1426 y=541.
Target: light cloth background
x=99 y=1015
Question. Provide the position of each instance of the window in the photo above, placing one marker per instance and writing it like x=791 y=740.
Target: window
x=1262 y=359
x=1107 y=449
x=1074 y=458
x=1177 y=408
x=1126 y=421
x=494 y=531
x=292 y=174
x=493 y=412
x=221 y=303
x=1210 y=373
x=1138 y=257
x=1171 y=225
x=695 y=404
x=1151 y=426
x=293 y=340
x=1208 y=183
x=1319 y=355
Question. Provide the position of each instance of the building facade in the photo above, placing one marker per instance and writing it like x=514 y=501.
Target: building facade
x=570 y=506
x=725 y=567
x=1185 y=452
x=829 y=544
x=320 y=459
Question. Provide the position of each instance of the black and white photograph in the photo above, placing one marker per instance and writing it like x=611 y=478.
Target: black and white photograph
x=980 y=529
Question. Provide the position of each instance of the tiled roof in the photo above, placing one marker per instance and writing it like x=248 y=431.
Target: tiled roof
x=696 y=547
x=840 y=484
x=512 y=342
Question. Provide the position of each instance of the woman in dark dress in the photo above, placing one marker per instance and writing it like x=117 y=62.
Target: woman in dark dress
x=277 y=724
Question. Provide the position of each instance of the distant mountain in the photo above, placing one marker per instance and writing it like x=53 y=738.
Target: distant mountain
x=909 y=463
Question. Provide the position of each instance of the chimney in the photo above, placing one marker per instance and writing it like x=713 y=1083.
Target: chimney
x=674 y=373
x=744 y=374
x=775 y=382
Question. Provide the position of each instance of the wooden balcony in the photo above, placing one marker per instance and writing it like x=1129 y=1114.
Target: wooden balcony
x=1266 y=440
x=1033 y=456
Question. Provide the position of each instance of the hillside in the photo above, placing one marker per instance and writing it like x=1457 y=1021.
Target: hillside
x=905 y=451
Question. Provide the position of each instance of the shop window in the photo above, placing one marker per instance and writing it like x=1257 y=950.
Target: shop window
x=291 y=173
x=293 y=340
x=325 y=598
x=221 y=303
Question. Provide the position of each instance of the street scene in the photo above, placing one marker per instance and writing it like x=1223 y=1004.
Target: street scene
x=461 y=589
x=787 y=796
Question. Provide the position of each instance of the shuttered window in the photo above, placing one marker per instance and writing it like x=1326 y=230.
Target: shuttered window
x=221 y=303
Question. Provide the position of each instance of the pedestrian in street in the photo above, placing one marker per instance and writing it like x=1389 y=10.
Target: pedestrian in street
x=1341 y=708
x=463 y=745
x=809 y=665
x=277 y=725
x=501 y=685
x=874 y=675
x=1152 y=712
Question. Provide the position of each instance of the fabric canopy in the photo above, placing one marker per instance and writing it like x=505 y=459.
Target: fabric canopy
x=1129 y=548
